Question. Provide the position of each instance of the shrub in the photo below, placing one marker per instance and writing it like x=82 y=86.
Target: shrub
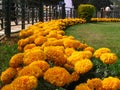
x=86 y=11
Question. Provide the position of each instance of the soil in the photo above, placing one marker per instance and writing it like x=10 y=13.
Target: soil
x=11 y=40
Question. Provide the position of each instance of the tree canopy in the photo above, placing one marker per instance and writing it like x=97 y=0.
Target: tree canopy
x=97 y=3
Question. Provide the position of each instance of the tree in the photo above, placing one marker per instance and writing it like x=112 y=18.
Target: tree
x=97 y=3
x=100 y=3
x=76 y=3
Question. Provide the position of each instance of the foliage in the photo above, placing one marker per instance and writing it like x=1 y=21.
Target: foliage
x=100 y=3
x=86 y=11
x=76 y=3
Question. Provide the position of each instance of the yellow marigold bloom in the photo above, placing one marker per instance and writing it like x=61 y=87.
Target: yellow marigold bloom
x=55 y=54
x=8 y=75
x=33 y=55
x=40 y=40
x=83 y=66
x=100 y=51
x=25 y=83
x=94 y=83
x=57 y=76
x=29 y=46
x=31 y=71
x=69 y=51
x=108 y=58
x=111 y=83
x=89 y=49
x=71 y=43
x=8 y=87
x=43 y=65
x=82 y=86
x=78 y=55
x=16 y=60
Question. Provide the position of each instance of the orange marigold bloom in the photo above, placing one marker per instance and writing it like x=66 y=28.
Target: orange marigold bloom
x=8 y=75
x=40 y=40
x=108 y=58
x=33 y=55
x=31 y=71
x=75 y=76
x=55 y=54
x=29 y=46
x=16 y=60
x=71 y=43
x=100 y=51
x=8 y=87
x=111 y=83
x=23 y=42
x=94 y=83
x=25 y=83
x=89 y=49
x=57 y=76
x=43 y=65
x=83 y=66
x=82 y=86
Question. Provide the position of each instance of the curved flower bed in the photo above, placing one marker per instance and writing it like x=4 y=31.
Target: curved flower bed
x=47 y=54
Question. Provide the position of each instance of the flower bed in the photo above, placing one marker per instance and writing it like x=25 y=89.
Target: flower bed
x=50 y=59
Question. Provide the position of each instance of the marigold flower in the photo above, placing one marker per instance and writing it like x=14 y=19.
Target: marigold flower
x=82 y=86
x=69 y=51
x=40 y=40
x=94 y=83
x=108 y=58
x=71 y=43
x=8 y=75
x=55 y=54
x=82 y=46
x=16 y=60
x=8 y=87
x=31 y=71
x=75 y=76
x=25 y=83
x=111 y=83
x=33 y=55
x=57 y=76
x=83 y=66
x=23 y=42
x=100 y=51
x=43 y=65
x=55 y=42
x=25 y=33
x=78 y=55
x=68 y=66
x=89 y=49
x=29 y=46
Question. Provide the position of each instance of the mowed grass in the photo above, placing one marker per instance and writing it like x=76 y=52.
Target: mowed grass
x=104 y=34
x=97 y=35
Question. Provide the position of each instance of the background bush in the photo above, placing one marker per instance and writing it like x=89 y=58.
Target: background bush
x=86 y=11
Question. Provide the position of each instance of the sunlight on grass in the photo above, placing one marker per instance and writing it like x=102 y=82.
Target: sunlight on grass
x=99 y=35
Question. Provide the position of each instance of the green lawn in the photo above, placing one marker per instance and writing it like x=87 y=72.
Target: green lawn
x=97 y=35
